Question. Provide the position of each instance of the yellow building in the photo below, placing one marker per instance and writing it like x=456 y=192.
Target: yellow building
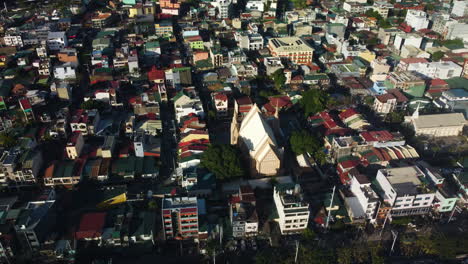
x=293 y=48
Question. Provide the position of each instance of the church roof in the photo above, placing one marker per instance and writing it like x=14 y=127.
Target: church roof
x=255 y=131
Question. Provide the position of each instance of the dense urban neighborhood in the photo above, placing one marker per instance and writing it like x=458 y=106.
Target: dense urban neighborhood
x=234 y=131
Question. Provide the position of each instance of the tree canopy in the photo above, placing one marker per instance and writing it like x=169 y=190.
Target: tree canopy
x=279 y=79
x=224 y=161
x=299 y=4
x=303 y=142
x=436 y=56
x=7 y=140
x=313 y=101
x=93 y=104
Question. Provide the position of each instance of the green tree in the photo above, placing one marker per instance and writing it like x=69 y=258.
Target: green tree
x=376 y=255
x=303 y=142
x=299 y=4
x=7 y=140
x=429 y=7
x=314 y=101
x=93 y=104
x=224 y=161
x=279 y=79
x=395 y=117
x=436 y=56
x=344 y=255
x=153 y=205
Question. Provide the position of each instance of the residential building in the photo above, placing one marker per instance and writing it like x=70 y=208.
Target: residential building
x=389 y=102
x=407 y=39
x=75 y=145
x=65 y=71
x=57 y=40
x=403 y=188
x=293 y=211
x=35 y=226
x=100 y=20
x=382 y=7
x=108 y=147
x=163 y=28
x=363 y=202
x=63 y=173
x=459 y=8
x=221 y=103
x=417 y=19
x=272 y=64
x=223 y=7
x=457 y=31
x=250 y=41
x=436 y=125
x=256 y=138
x=243 y=214
x=437 y=70
x=293 y=48
x=91 y=226
x=180 y=217
x=408 y=82
x=13 y=40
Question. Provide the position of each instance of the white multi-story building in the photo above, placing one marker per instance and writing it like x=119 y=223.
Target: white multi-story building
x=460 y=8
x=457 y=31
x=382 y=7
x=223 y=8
x=365 y=201
x=404 y=190
x=57 y=40
x=250 y=41
x=65 y=71
x=404 y=39
x=255 y=5
x=417 y=19
x=293 y=212
x=437 y=70
x=13 y=40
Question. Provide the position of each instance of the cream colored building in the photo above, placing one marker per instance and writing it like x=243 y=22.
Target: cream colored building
x=255 y=137
x=75 y=146
x=438 y=125
x=293 y=48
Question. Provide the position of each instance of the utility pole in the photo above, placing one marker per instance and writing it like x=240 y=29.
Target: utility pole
x=453 y=212
x=329 y=208
x=385 y=221
x=395 y=236
x=214 y=256
x=297 y=251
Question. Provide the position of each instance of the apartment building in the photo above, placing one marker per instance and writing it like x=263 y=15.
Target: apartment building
x=293 y=212
x=243 y=214
x=180 y=217
x=417 y=19
x=57 y=40
x=75 y=145
x=437 y=70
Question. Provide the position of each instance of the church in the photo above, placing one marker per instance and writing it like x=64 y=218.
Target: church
x=256 y=137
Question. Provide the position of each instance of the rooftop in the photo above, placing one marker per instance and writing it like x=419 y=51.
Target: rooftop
x=404 y=180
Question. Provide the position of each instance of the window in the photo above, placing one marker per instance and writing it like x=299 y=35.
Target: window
x=427 y=198
x=288 y=226
x=288 y=221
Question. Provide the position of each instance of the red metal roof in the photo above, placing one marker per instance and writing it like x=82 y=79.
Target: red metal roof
x=91 y=225
x=347 y=113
